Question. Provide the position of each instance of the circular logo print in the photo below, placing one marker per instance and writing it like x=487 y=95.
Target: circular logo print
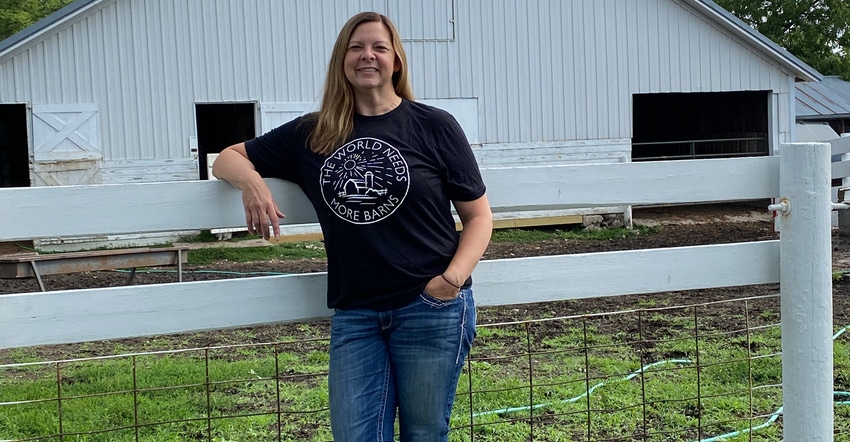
x=364 y=181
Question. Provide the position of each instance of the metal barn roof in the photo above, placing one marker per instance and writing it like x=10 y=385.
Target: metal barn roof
x=46 y=23
x=828 y=98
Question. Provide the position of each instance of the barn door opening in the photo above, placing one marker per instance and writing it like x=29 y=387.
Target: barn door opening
x=14 y=150
x=221 y=125
x=700 y=125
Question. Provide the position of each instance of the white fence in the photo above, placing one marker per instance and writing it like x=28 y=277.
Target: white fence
x=800 y=262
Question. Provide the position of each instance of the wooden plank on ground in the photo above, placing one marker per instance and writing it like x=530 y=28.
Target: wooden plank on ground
x=534 y=222
x=89 y=261
x=113 y=313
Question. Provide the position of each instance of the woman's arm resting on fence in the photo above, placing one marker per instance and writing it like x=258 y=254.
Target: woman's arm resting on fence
x=477 y=221
x=233 y=166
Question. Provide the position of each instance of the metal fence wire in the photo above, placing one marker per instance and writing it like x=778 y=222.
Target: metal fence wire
x=700 y=372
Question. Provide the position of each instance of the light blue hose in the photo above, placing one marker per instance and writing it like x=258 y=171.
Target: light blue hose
x=567 y=401
x=773 y=417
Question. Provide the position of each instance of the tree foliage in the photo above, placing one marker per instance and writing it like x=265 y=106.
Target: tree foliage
x=815 y=31
x=15 y=15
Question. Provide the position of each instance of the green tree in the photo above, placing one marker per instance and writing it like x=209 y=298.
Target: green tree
x=15 y=15
x=815 y=31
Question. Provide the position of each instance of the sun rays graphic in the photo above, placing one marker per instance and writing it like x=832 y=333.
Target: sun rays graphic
x=356 y=166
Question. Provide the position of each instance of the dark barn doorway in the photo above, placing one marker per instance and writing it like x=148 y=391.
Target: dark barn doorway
x=14 y=148
x=221 y=125
x=671 y=126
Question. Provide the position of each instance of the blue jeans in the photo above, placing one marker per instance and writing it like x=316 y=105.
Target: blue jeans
x=406 y=360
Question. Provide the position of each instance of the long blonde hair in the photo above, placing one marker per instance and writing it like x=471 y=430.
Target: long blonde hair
x=335 y=118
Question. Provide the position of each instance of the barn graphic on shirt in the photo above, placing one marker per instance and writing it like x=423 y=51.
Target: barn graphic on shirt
x=365 y=180
x=354 y=187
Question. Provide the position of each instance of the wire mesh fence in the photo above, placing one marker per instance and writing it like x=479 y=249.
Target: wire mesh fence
x=700 y=372
x=667 y=373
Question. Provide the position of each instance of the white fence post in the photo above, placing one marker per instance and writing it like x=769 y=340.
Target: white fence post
x=844 y=215
x=806 y=291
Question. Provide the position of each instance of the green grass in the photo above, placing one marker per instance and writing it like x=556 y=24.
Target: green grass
x=295 y=250
x=281 y=251
x=207 y=236
x=572 y=232
x=242 y=385
x=155 y=390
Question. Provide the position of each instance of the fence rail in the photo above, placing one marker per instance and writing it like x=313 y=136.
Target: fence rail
x=45 y=212
x=800 y=175
x=56 y=317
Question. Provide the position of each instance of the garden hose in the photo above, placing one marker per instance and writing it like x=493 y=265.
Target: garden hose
x=773 y=417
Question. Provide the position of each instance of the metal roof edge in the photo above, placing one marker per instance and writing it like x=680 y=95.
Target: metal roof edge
x=800 y=68
x=45 y=24
x=809 y=117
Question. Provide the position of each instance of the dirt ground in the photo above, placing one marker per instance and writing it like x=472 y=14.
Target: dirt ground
x=677 y=226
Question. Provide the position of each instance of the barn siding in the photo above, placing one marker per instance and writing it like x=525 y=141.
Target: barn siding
x=605 y=51
x=544 y=72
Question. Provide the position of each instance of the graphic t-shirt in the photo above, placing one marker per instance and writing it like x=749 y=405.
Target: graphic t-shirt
x=383 y=199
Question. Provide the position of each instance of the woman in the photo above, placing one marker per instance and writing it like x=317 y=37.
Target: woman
x=382 y=172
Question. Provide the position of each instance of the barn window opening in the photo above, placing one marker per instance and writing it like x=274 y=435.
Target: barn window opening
x=673 y=126
x=14 y=148
x=221 y=125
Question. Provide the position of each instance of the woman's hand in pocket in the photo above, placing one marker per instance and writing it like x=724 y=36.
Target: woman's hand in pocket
x=441 y=289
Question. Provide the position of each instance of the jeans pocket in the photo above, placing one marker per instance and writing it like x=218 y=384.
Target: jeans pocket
x=437 y=303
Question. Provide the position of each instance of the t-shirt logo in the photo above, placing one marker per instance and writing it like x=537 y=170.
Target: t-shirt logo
x=365 y=180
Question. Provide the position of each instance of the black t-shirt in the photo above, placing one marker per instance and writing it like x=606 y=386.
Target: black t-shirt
x=383 y=199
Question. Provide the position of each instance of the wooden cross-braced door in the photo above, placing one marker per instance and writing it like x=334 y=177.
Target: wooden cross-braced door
x=66 y=144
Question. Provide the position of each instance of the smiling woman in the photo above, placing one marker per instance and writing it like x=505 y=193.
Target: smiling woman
x=370 y=63
x=382 y=173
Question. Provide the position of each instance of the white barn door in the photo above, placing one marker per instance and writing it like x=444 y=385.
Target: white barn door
x=66 y=144
x=275 y=114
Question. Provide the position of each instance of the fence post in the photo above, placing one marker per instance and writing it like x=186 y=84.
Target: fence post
x=844 y=215
x=806 y=291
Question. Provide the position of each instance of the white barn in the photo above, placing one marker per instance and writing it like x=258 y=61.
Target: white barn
x=121 y=91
